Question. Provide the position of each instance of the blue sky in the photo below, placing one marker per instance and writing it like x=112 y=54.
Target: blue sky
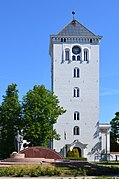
x=25 y=28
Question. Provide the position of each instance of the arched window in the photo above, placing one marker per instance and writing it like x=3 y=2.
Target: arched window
x=73 y=58
x=76 y=72
x=91 y=40
x=77 y=53
x=78 y=58
x=86 y=55
x=61 y=39
x=76 y=92
x=76 y=115
x=67 y=56
x=64 y=39
x=76 y=130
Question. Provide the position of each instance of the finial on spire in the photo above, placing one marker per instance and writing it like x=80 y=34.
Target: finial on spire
x=73 y=12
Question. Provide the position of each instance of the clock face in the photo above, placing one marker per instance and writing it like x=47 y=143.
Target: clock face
x=76 y=50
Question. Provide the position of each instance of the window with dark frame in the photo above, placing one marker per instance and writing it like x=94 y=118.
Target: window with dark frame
x=76 y=130
x=76 y=92
x=73 y=58
x=67 y=54
x=78 y=58
x=76 y=72
x=76 y=50
x=76 y=115
x=86 y=55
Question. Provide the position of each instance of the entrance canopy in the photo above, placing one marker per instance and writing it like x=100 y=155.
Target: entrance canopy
x=77 y=144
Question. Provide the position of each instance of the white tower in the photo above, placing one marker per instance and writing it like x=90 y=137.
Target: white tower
x=75 y=80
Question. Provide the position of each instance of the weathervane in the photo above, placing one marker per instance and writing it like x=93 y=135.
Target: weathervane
x=73 y=12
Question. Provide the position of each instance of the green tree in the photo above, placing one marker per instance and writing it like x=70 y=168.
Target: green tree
x=40 y=111
x=10 y=120
x=114 y=135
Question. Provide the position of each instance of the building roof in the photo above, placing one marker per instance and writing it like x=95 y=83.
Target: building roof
x=74 y=28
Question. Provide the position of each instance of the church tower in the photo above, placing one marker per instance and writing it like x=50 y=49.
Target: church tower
x=74 y=55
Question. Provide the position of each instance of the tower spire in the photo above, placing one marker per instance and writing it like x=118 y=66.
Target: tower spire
x=73 y=13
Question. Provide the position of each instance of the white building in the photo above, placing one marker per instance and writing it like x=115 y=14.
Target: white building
x=104 y=140
x=75 y=80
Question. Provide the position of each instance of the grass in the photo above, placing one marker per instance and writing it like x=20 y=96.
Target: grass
x=60 y=169
x=89 y=168
x=109 y=164
x=30 y=170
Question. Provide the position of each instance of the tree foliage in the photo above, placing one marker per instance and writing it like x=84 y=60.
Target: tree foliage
x=115 y=133
x=40 y=111
x=34 y=118
x=10 y=120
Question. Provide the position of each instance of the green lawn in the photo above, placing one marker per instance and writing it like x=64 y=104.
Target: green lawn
x=90 y=168
x=109 y=164
x=61 y=169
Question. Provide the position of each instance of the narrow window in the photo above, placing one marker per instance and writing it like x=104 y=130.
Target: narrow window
x=76 y=92
x=76 y=130
x=73 y=58
x=86 y=55
x=76 y=115
x=64 y=39
x=61 y=39
x=78 y=58
x=91 y=40
x=67 y=54
x=76 y=72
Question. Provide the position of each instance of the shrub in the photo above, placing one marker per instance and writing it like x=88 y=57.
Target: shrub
x=75 y=172
x=76 y=158
x=30 y=170
x=73 y=153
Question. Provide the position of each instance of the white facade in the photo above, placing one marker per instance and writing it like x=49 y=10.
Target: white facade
x=75 y=80
x=104 y=139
